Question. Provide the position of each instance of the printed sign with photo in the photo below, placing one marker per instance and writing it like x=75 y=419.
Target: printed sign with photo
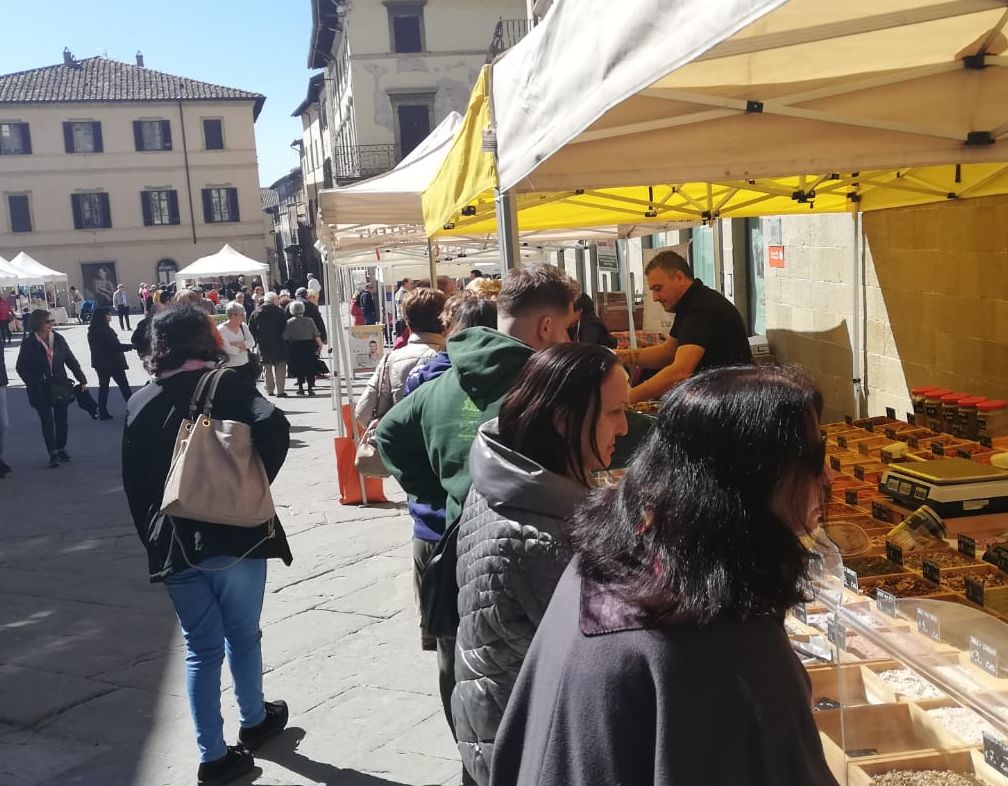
x=100 y=281
x=367 y=345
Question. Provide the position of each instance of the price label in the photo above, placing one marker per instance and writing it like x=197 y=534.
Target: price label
x=886 y=602
x=983 y=655
x=928 y=624
x=911 y=418
x=836 y=632
x=975 y=591
x=850 y=579
x=987 y=442
x=893 y=552
x=996 y=753
x=964 y=453
x=800 y=612
x=890 y=412
x=938 y=450
x=834 y=462
x=931 y=571
x=879 y=511
x=859 y=471
x=850 y=496
x=842 y=441
x=848 y=419
x=967 y=546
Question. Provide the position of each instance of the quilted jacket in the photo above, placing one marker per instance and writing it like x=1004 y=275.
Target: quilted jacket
x=511 y=554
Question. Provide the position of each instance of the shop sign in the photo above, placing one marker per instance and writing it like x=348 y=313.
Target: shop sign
x=606 y=255
x=983 y=655
x=776 y=256
x=367 y=345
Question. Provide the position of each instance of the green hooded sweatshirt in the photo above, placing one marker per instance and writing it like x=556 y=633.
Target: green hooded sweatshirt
x=424 y=439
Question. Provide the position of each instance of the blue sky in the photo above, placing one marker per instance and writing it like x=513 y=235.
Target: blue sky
x=250 y=44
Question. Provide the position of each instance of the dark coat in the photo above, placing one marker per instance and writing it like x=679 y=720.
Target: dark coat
x=33 y=367
x=604 y=699
x=592 y=330
x=3 y=369
x=107 y=352
x=154 y=415
x=315 y=315
x=267 y=324
x=512 y=550
x=369 y=307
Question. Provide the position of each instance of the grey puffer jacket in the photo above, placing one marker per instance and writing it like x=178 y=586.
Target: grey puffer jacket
x=511 y=554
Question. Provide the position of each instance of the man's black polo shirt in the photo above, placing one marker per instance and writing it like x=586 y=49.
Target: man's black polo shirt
x=708 y=319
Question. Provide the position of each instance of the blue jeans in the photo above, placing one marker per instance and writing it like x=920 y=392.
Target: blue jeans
x=4 y=418
x=215 y=610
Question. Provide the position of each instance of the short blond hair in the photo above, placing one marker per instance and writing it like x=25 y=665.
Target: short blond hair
x=488 y=288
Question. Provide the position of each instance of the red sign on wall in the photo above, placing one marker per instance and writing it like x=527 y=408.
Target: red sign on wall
x=776 y=256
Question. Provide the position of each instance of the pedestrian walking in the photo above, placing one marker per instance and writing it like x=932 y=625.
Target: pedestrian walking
x=531 y=468
x=238 y=340
x=368 y=304
x=312 y=311
x=215 y=574
x=75 y=302
x=4 y=417
x=662 y=657
x=267 y=325
x=42 y=365
x=5 y=320
x=108 y=358
x=121 y=302
x=302 y=337
x=314 y=285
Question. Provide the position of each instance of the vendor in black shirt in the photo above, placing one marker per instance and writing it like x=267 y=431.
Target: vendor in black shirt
x=708 y=330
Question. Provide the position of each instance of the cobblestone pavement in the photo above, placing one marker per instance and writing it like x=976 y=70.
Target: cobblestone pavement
x=92 y=681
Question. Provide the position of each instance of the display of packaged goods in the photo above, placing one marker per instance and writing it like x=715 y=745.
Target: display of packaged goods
x=967 y=425
x=950 y=410
x=992 y=418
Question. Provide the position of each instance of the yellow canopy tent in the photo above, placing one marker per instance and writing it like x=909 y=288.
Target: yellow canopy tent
x=750 y=107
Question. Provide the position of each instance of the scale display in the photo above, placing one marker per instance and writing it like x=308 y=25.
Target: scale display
x=952 y=487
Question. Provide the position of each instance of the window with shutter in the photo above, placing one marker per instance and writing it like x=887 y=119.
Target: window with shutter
x=160 y=207
x=20 y=213
x=406 y=24
x=81 y=137
x=213 y=134
x=91 y=210
x=152 y=134
x=220 y=205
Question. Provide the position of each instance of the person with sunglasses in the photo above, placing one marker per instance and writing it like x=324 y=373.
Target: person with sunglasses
x=42 y=364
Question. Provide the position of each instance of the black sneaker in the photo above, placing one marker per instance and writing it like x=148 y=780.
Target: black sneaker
x=62 y=455
x=4 y=466
x=233 y=764
x=53 y=461
x=105 y=416
x=275 y=722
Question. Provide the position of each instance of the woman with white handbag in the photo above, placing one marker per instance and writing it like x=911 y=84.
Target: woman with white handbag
x=201 y=447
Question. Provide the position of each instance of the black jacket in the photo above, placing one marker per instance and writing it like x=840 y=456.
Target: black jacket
x=267 y=323
x=107 y=352
x=154 y=415
x=512 y=550
x=369 y=307
x=605 y=699
x=592 y=330
x=33 y=367
x=3 y=369
x=315 y=315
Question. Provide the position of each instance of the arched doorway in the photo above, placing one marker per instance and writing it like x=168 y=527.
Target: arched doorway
x=166 y=270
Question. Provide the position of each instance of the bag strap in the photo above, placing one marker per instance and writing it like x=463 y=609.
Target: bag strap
x=194 y=404
x=383 y=382
x=218 y=375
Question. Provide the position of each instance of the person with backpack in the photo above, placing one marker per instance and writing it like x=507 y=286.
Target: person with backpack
x=424 y=440
x=215 y=574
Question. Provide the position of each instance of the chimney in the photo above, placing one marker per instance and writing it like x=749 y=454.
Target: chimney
x=68 y=59
x=139 y=57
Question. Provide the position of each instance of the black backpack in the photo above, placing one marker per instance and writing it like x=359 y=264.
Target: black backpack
x=439 y=586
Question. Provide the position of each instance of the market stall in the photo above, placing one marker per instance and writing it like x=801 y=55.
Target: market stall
x=226 y=263
x=32 y=273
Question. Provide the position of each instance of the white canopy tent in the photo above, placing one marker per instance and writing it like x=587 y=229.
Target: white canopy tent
x=8 y=276
x=226 y=262
x=32 y=272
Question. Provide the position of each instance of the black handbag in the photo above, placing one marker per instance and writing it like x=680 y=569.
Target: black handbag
x=61 y=392
x=254 y=360
x=86 y=401
x=439 y=587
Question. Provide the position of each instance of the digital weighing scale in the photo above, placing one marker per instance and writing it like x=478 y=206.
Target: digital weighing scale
x=951 y=487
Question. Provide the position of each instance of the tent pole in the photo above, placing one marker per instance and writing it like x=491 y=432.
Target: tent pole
x=332 y=297
x=857 y=312
x=624 y=274
x=507 y=230
x=432 y=262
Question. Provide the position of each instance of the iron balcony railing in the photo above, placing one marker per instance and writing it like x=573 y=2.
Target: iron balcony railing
x=363 y=161
x=507 y=33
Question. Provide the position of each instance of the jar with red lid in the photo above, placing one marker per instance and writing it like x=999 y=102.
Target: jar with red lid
x=932 y=408
x=992 y=418
x=966 y=425
x=917 y=396
x=950 y=411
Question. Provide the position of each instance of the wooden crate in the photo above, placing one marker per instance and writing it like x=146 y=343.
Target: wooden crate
x=871 y=731
x=846 y=684
x=966 y=762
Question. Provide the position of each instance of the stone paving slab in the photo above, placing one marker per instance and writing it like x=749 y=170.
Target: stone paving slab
x=92 y=664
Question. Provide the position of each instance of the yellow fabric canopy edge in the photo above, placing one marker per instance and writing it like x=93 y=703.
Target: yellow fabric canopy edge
x=467 y=170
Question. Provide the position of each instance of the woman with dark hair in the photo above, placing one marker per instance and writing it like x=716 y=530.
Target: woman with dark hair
x=530 y=470
x=42 y=364
x=589 y=329
x=662 y=657
x=108 y=358
x=215 y=574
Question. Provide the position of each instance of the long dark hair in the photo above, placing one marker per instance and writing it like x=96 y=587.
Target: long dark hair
x=560 y=385
x=180 y=334
x=691 y=531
